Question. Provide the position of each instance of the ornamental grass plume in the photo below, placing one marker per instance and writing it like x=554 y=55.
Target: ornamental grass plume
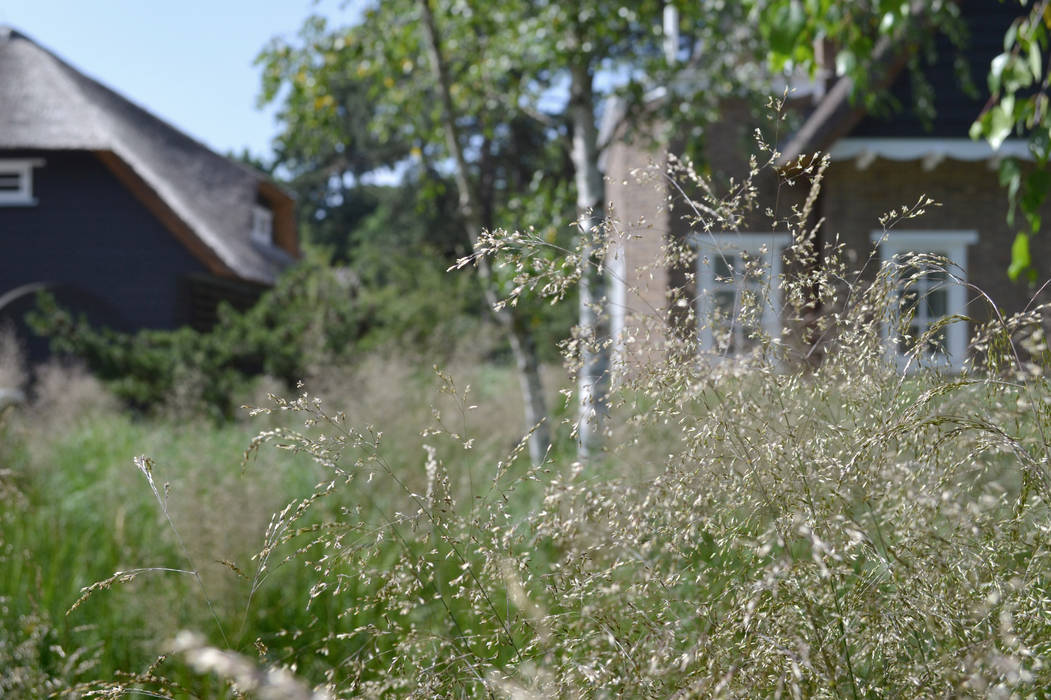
x=803 y=520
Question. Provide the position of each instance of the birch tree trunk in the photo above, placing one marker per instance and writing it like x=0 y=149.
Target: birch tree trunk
x=592 y=380
x=522 y=344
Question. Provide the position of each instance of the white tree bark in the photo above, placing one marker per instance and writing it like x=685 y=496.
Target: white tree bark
x=522 y=344
x=592 y=380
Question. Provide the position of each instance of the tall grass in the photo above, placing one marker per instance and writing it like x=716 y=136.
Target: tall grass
x=75 y=511
x=760 y=526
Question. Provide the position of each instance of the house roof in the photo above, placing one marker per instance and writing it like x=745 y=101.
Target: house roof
x=841 y=112
x=206 y=198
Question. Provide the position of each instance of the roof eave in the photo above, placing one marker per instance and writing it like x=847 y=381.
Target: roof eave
x=839 y=112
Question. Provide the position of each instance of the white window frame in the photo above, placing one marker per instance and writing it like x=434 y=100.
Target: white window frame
x=953 y=245
x=262 y=225
x=23 y=169
x=770 y=246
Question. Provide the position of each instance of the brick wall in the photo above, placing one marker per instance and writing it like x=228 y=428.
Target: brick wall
x=639 y=199
x=652 y=214
x=851 y=201
x=971 y=199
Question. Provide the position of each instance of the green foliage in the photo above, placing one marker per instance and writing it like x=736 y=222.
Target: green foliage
x=760 y=526
x=1021 y=261
x=785 y=25
x=142 y=368
x=326 y=113
x=341 y=89
x=1018 y=104
x=395 y=294
x=797 y=31
x=74 y=510
x=306 y=319
x=1017 y=78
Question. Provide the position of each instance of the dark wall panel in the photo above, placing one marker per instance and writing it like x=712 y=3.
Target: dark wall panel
x=88 y=232
x=986 y=21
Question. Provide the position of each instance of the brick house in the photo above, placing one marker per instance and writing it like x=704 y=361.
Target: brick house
x=121 y=215
x=877 y=165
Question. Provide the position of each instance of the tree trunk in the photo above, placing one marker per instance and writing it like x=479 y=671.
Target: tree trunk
x=592 y=380
x=522 y=344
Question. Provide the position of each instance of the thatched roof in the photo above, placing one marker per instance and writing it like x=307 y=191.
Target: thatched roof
x=204 y=198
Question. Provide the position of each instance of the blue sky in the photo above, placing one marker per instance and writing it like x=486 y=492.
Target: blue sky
x=189 y=62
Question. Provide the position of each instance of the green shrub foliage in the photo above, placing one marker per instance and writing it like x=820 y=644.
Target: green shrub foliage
x=307 y=318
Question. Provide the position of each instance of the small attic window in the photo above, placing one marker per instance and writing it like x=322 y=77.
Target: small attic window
x=16 y=182
x=262 y=225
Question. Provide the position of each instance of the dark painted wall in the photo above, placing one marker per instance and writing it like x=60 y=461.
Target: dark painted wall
x=89 y=234
x=986 y=21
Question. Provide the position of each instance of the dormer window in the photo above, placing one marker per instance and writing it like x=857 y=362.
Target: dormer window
x=16 y=182
x=262 y=225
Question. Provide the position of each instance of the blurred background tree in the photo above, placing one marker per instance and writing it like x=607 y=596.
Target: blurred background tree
x=504 y=99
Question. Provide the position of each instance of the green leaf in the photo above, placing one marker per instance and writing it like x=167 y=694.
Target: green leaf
x=1020 y=259
x=1000 y=124
x=1016 y=75
x=1010 y=36
x=996 y=71
x=1011 y=178
x=846 y=61
x=787 y=21
x=1035 y=221
x=976 y=130
x=886 y=24
x=1007 y=104
x=1035 y=60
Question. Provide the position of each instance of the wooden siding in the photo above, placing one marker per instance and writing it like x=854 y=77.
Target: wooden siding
x=88 y=232
x=204 y=294
x=162 y=212
x=971 y=199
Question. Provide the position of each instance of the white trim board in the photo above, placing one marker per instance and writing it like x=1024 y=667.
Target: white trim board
x=22 y=170
x=930 y=151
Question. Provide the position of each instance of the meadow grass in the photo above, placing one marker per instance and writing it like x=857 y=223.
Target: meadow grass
x=758 y=526
x=75 y=510
x=771 y=532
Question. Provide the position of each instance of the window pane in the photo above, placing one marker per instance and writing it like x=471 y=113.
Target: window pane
x=923 y=299
x=938 y=303
x=737 y=275
x=724 y=302
x=724 y=267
